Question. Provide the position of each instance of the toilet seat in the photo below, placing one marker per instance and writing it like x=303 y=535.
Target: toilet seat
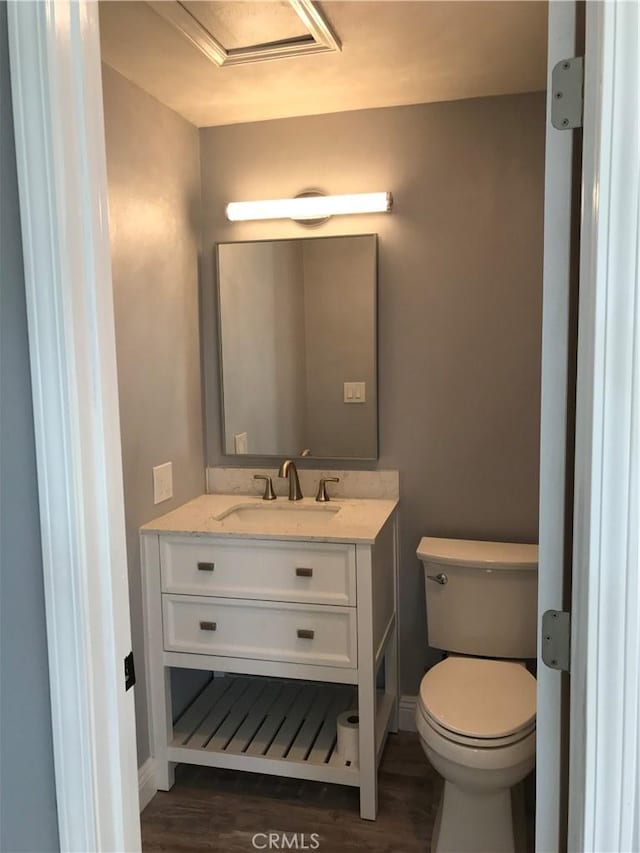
x=479 y=702
x=475 y=742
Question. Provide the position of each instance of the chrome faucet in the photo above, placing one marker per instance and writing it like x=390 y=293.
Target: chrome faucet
x=288 y=469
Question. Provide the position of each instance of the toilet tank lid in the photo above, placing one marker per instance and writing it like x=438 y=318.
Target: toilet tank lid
x=467 y=552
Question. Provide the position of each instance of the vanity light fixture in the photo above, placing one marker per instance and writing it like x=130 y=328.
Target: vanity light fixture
x=309 y=207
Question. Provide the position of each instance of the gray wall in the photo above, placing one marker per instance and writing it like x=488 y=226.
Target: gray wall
x=154 y=204
x=460 y=272
x=28 y=819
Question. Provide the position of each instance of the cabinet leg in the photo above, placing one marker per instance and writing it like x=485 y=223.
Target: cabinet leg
x=391 y=687
x=158 y=677
x=368 y=763
x=165 y=776
x=394 y=722
x=162 y=722
x=367 y=705
x=369 y=799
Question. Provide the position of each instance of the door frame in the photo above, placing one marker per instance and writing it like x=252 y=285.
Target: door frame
x=60 y=157
x=57 y=100
x=604 y=759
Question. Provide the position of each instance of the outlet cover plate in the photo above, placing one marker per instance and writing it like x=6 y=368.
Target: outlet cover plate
x=241 y=442
x=162 y=482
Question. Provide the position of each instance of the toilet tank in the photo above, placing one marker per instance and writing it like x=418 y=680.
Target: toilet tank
x=486 y=602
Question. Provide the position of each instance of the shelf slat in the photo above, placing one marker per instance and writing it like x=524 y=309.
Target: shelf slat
x=311 y=726
x=194 y=715
x=266 y=725
x=326 y=741
x=236 y=715
x=218 y=712
x=267 y=731
x=245 y=734
x=296 y=714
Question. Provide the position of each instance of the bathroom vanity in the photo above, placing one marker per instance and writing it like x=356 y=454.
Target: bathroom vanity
x=292 y=608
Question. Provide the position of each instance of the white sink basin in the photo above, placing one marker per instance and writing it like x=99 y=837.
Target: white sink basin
x=282 y=514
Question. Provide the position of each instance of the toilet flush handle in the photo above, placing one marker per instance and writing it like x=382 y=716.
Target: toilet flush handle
x=442 y=579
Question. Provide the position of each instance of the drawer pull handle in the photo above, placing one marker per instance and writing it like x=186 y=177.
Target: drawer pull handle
x=206 y=567
x=305 y=634
x=208 y=626
x=304 y=573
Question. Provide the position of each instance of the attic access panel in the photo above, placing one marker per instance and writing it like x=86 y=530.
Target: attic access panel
x=230 y=32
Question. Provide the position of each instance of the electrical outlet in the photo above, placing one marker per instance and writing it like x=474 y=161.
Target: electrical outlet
x=162 y=482
x=241 y=442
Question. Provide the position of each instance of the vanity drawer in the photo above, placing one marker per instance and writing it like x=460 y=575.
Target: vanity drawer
x=294 y=633
x=310 y=572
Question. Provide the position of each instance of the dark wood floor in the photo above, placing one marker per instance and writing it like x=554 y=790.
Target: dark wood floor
x=221 y=810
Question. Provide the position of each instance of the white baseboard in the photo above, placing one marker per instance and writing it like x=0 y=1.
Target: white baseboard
x=407 y=713
x=146 y=783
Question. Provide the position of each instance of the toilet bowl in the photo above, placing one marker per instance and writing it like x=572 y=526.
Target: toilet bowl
x=476 y=722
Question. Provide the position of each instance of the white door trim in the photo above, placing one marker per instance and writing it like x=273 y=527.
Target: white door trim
x=57 y=101
x=604 y=806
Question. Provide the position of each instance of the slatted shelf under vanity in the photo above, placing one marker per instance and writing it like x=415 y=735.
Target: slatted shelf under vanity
x=266 y=725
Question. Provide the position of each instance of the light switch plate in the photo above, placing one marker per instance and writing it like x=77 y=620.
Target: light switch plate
x=241 y=442
x=355 y=392
x=162 y=482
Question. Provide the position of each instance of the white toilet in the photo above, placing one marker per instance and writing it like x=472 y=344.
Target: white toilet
x=476 y=714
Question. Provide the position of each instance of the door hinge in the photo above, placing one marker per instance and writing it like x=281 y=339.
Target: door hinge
x=556 y=639
x=129 y=672
x=567 y=93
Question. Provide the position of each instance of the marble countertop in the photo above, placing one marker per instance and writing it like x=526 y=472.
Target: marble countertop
x=356 y=520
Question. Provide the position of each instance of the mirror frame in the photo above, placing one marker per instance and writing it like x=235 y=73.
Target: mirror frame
x=294 y=456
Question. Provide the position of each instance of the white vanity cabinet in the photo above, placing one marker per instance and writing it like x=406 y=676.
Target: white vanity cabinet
x=295 y=631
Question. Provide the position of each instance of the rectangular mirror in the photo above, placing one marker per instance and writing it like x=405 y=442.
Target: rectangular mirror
x=297 y=337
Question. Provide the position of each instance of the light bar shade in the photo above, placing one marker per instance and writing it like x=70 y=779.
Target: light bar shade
x=309 y=207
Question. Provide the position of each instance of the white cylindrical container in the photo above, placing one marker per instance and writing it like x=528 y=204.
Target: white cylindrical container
x=348 y=730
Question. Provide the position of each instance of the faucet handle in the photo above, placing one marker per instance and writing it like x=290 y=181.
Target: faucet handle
x=322 y=496
x=269 y=494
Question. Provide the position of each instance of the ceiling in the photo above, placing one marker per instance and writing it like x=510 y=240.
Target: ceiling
x=251 y=22
x=393 y=52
